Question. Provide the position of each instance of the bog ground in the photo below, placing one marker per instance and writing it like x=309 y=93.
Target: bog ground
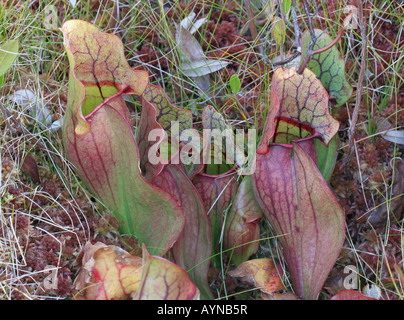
x=227 y=59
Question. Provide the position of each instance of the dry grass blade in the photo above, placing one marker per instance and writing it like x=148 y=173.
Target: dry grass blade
x=363 y=29
x=45 y=221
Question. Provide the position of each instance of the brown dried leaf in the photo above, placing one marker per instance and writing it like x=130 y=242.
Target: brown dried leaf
x=395 y=207
x=262 y=273
x=400 y=274
x=195 y=62
x=190 y=47
x=30 y=166
x=51 y=19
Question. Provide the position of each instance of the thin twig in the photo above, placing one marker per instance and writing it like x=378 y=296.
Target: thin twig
x=296 y=26
x=332 y=43
x=339 y=35
x=362 y=27
x=306 y=9
x=370 y=136
x=311 y=52
x=287 y=60
x=314 y=38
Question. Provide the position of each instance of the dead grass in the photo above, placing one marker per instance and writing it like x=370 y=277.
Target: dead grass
x=29 y=217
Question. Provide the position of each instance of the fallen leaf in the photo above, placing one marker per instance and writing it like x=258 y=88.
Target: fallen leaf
x=56 y=125
x=202 y=67
x=261 y=273
x=351 y=20
x=30 y=166
x=188 y=22
x=191 y=50
x=51 y=20
x=395 y=206
x=335 y=280
x=195 y=64
x=29 y=101
x=395 y=136
x=372 y=290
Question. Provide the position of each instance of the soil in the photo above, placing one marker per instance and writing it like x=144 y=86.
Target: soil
x=52 y=225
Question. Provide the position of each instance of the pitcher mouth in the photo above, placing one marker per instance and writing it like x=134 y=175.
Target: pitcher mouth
x=288 y=130
x=122 y=91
